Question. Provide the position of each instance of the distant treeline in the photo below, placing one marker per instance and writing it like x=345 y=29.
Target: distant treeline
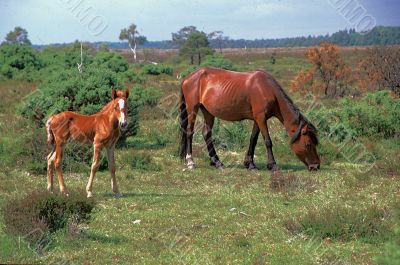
x=377 y=36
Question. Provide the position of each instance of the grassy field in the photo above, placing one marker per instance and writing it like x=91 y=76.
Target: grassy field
x=342 y=214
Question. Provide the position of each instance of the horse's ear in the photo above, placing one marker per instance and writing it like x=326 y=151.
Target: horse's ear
x=114 y=93
x=126 y=93
x=304 y=130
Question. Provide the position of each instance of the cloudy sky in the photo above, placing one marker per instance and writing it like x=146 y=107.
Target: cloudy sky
x=52 y=21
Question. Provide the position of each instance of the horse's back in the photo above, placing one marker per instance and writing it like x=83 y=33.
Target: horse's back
x=226 y=94
x=78 y=126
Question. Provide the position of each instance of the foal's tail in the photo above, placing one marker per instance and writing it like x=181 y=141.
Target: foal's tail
x=50 y=135
x=183 y=120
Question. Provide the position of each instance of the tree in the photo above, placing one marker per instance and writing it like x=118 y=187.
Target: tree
x=132 y=35
x=18 y=35
x=218 y=37
x=196 y=44
x=180 y=37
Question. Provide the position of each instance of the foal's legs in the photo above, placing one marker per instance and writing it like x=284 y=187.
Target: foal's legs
x=57 y=164
x=262 y=124
x=95 y=166
x=111 y=167
x=207 y=133
x=192 y=113
x=249 y=159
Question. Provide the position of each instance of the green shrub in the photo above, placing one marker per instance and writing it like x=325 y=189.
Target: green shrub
x=157 y=69
x=149 y=96
x=86 y=93
x=219 y=61
x=233 y=134
x=44 y=212
x=111 y=61
x=19 y=61
x=376 y=114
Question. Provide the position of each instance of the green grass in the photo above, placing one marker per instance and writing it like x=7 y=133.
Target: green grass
x=207 y=216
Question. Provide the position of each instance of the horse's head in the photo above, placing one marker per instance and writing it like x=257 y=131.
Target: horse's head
x=120 y=100
x=304 y=144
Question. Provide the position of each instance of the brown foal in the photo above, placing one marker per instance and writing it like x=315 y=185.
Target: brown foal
x=101 y=129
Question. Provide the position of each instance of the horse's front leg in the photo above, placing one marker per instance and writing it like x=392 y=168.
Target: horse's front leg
x=249 y=159
x=262 y=124
x=93 y=170
x=111 y=167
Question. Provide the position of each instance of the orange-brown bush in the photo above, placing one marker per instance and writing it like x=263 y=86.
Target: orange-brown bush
x=329 y=75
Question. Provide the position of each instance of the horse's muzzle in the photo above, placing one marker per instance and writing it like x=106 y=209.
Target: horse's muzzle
x=123 y=124
x=313 y=167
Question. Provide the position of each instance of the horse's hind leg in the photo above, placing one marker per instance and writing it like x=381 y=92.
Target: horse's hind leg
x=207 y=134
x=249 y=160
x=57 y=164
x=50 y=163
x=262 y=124
x=192 y=113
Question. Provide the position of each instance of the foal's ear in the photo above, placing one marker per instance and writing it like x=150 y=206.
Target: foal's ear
x=126 y=93
x=114 y=93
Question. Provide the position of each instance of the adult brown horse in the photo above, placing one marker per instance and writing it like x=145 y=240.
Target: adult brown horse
x=235 y=96
x=101 y=129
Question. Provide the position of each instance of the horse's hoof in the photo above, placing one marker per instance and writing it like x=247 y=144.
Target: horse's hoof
x=118 y=195
x=217 y=165
x=273 y=167
x=220 y=166
x=252 y=167
x=89 y=194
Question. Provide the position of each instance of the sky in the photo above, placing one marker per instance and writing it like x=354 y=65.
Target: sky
x=59 y=21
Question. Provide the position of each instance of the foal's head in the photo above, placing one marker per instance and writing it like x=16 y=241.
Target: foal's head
x=304 y=145
x=120 y=101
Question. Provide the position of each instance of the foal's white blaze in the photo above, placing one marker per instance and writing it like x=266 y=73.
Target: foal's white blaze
x=121 y=103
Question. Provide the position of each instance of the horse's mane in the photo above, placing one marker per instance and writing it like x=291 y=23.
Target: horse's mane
x=298 y=115
x=107 y=106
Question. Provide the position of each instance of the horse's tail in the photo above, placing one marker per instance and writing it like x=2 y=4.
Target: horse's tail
x=183 y=121
x=50 y=135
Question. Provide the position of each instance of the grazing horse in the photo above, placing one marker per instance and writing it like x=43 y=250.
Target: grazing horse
x=101 y=129
x=235 y=96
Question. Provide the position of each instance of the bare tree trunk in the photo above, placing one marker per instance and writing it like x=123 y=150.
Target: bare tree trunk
x=133 y=50
x=199 y=58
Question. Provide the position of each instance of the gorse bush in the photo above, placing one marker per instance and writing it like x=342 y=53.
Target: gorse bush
x=149 y=96
x=19 y=61
x=85 y=93
x=157 y=69
x=111 y=61
x=44 y=212
x=219 y=61
x=376 y=114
